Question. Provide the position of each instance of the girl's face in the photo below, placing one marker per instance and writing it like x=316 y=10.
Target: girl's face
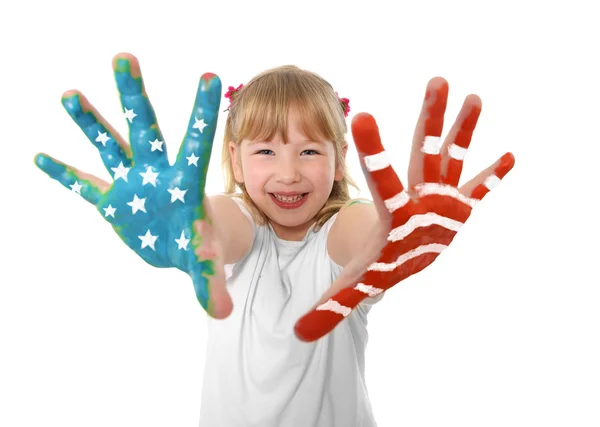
x=291 y=182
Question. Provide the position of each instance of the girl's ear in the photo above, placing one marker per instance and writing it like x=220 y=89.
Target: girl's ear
x=339 y=173
x=234 y=154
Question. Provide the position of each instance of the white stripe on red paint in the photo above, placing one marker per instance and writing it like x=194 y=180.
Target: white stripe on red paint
x=430 y=188
x=377 y=161
x=423 y=249
x=368 y=289
x=336 y=307
x=398 y=201
x=431 y=145
x=491 y=182
x=457 y=152
x=424 y=220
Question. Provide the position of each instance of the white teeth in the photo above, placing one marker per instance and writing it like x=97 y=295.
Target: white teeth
x=288 y=199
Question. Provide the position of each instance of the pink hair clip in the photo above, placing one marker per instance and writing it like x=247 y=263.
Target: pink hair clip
x=229 y=94
x=345 y=105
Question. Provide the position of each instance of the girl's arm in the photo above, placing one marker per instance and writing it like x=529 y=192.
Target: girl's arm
x=352 y=230
x=234 y=231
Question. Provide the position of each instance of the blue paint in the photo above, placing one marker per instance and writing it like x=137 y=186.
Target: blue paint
x=68 y=178
x=143 y=128
x=165 y=216
x=110 y=151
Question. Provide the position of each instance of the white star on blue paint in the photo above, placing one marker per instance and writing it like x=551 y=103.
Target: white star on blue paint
x=102 y=138
x=192 y=160
x=76 y=188
x=182 y=242
x=148 y=240
x=156 y=145
x=200 y=125
x=120 y=172
x=129 y=114
x=137 y=204
x=177 y=194
x=149 y=176
x=109 y=211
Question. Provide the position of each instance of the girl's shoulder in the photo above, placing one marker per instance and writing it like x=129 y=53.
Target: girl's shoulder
x=350 y=229
x=248 y=211
x=357 y=200
x=234 y=225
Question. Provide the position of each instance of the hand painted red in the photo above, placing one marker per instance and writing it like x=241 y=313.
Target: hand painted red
x=417 y=223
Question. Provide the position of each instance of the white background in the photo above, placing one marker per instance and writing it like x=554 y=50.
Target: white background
x=502 y=330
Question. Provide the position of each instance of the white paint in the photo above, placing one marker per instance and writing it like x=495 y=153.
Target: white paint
x=377 y=161
x=102 y=138
x=491 y=181
x=129 y=114
x=76 y=188
x=457 y=152
x=398 y=201
x=423 y=249
x=429 y=188
x=424 y=220
x=336 y=307
x=199 y=124
x=368 y=289
x=431 y=145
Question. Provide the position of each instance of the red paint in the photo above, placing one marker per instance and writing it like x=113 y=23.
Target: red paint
x=462 y=138
x=434 y=123
x=503 y=166
x=364 y=127
x=316 y=324
x=387 y=182
x=207 y=77
x=421 y=236
x=480 y=191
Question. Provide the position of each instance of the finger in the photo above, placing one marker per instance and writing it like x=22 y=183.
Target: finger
x=488 y=179
x=197 y=145
x=457 y=142
x=324 y=318
x=340 y=299
x=87 y=186
x=425 y=159
x=385 y=186
x=327 y=315
x=111 y=146
x=146 y=139
x=208 y=272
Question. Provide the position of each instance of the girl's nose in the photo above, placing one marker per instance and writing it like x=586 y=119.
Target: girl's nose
x=288 y=172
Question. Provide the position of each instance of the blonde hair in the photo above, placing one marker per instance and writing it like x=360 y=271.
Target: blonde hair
x=259 y=110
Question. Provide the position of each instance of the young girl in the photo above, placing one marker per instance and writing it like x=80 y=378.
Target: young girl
x=291 y=244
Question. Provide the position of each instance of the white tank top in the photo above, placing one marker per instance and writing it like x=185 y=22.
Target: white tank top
x=257 y=373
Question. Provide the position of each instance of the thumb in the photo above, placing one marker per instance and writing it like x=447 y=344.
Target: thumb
x=345 y=293
x=209 y=285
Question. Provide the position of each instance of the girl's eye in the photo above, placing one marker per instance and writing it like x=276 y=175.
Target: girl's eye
x=313 y=151
x=263 y=151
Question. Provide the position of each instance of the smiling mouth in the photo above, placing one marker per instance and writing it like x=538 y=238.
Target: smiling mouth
x=289 y=199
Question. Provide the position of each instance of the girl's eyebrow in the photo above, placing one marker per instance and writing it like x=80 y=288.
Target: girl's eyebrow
x=304 y=141
x=309 y=141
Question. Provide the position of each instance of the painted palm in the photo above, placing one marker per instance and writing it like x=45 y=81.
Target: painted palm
x=156 y=208
x=417 y=222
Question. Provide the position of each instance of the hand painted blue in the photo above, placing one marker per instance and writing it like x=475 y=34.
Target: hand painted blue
x=151 y=204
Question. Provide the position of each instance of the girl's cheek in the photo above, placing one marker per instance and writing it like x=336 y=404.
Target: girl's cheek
x=255 y=174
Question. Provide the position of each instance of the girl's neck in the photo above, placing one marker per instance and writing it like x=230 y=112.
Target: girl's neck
x=293 y=234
